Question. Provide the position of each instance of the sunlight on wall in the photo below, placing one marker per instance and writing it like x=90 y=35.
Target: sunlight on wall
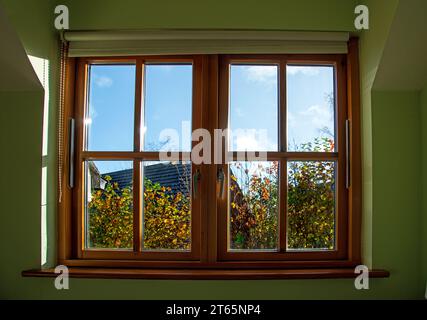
x=41 y=67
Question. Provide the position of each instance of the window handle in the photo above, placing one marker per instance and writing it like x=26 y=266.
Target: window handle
x=347 y=154
x=72 y=124
x=221 y=180
x=196 y=179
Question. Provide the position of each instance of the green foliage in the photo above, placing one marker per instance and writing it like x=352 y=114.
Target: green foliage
x=310 y=210
x=167 y=217
x=311 y=200
x=111 y=217
x=254 y=207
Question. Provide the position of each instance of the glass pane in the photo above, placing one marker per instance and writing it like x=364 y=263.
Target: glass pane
x=110 y=116
x=311 y=108
x=311 y=205
x=167 y=205
x=253 y=205
x=109 y=204
x=168 y=107
x=253 y=108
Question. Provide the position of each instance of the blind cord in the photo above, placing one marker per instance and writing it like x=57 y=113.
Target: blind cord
x=63 y=64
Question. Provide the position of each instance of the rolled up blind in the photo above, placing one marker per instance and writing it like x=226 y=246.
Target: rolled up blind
x=154 y=42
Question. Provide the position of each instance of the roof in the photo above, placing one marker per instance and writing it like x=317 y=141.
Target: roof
x=174 y=175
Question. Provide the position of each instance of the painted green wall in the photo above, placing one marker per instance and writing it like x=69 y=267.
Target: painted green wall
x=396 y=235
x=372 y=44
x=424 y=183
x=394 y=242
x=20 y=140
x=272 y=14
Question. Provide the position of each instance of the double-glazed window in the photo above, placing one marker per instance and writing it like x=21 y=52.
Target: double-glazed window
x=210 y=161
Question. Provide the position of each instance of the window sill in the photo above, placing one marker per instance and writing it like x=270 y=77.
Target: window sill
x=206 y=274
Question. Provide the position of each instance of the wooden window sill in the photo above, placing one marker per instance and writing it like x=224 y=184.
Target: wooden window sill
x=205 y=274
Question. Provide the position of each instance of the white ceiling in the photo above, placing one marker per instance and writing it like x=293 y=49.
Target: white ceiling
x=404 y=62
x=16 y=72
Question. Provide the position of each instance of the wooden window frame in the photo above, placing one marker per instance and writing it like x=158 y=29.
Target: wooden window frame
x=283 y=156
x=209 y=237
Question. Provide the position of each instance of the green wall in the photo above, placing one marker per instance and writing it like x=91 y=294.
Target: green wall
x=424 y=183
x=390 y=239
x=271 y=14
x=372 y=44
x=20 y=140
x=396 y=233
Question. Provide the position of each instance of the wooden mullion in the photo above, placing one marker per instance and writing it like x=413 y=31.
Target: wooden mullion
x=137 y=179
x=212 y=123
x=138 y=106
x=283 y=205
x=137 y=206
x=222 y=203
x=283 y=147
x=282 y=108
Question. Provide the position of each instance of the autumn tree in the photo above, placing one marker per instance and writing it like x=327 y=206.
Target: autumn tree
x=167 y=217
x=111 y=216
x=310 y=203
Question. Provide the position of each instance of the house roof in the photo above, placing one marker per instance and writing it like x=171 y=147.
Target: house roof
x=177 y=176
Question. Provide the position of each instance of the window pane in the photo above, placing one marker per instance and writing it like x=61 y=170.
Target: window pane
x=311 y=205
x=168 y=107
x=109 y=204
x=110 y=116
x=167 y=205
x=253 y=205
x=253 y=108
x=311 y=108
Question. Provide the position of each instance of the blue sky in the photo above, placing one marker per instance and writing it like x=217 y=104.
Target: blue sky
x=253 y=107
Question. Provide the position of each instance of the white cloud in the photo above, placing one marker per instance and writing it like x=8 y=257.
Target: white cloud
x=305 y=70
x=251 y=140
x=262 y=74
x=320 y=116
x=103 y=81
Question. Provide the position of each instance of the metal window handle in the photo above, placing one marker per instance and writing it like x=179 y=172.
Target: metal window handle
x=196 y=179
x=71 y=153
x=347 y=154
x=221 y=180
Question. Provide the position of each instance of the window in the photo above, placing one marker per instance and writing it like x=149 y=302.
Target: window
x=279 y=184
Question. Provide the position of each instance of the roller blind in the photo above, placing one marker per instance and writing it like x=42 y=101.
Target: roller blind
x=152 y=42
